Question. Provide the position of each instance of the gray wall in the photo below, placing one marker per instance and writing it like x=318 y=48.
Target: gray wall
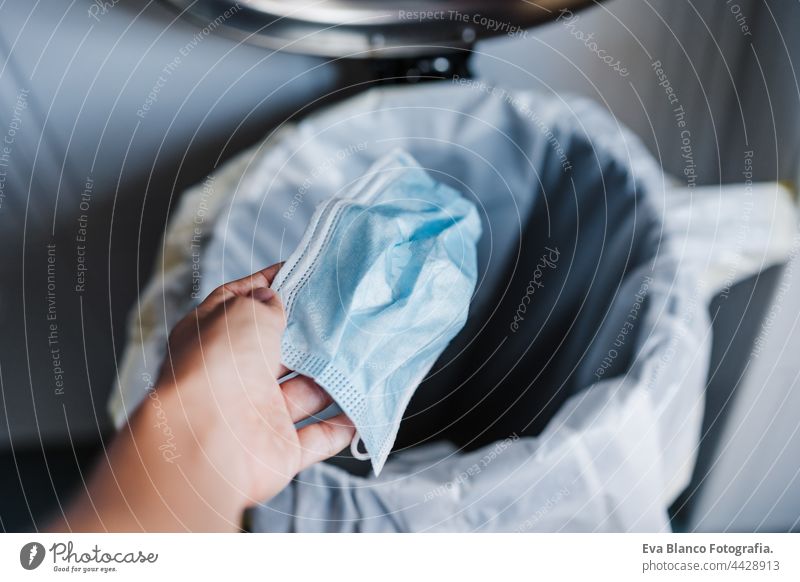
x=739 y=92
x=85 y=82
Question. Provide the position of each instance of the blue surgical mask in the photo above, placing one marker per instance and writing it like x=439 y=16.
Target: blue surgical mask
x=379 y=285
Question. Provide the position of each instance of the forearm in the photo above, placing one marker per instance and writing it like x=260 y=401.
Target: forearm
x=154 y=477
x=218 y=433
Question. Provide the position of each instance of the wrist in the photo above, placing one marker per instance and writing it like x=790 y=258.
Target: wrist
x=190 y=457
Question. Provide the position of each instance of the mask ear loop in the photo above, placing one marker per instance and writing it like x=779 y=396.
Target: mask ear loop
x=356 y=438
x=354 y=449
x=288 y=376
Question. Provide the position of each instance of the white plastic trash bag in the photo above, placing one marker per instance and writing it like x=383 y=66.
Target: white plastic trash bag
x=573 y=399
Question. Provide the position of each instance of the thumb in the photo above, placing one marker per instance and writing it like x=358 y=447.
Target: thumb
x=240 y=288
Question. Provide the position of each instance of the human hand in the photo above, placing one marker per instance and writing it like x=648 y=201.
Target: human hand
x=228 y=423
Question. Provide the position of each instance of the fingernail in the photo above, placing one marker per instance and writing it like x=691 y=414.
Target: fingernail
x=263 y=294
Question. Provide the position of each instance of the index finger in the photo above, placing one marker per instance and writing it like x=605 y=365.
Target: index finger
x=241 y=287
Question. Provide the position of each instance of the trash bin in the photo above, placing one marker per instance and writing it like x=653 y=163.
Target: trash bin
x=572 y=400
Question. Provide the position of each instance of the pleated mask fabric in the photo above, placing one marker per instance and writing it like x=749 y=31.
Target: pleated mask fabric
x=379 y=285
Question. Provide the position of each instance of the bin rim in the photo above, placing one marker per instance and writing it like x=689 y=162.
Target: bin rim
x=366 y=29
